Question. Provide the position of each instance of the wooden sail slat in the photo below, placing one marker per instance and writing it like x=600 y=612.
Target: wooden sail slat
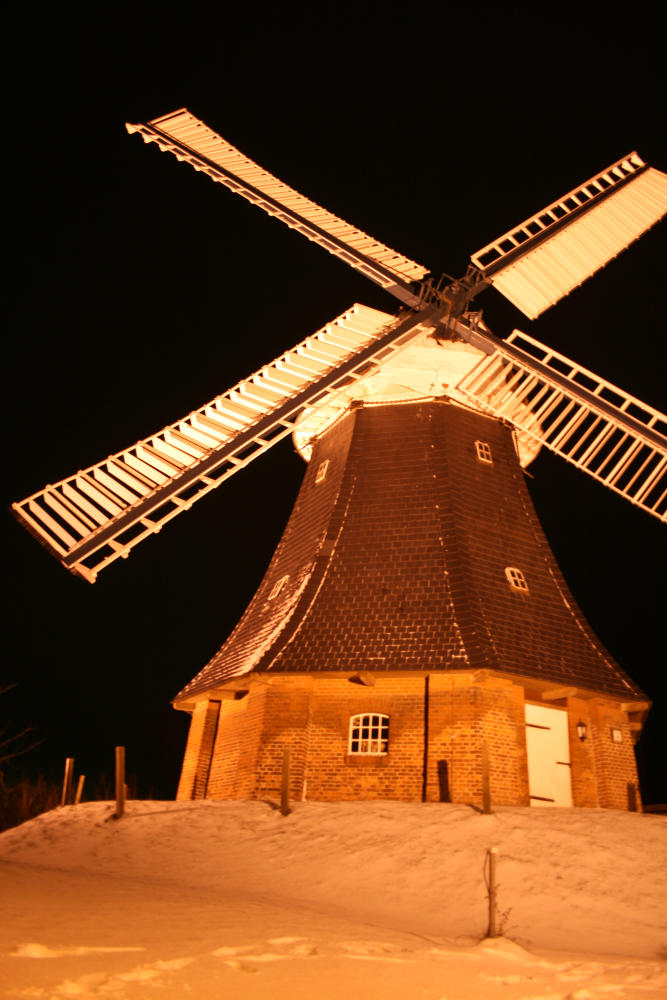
x=151 y=473
x=240 y=414
x=97 y=493
x=167 y=446
x=650 y=481
x=147 y=453
x=217 y=416
x=612 y=477
x=281 y=377
x=246 y=402
x=262 y=395
x=42 y=517
x=132 y=479
x=113 y=485
x=65 y=513
x=302 y=363
x=87 y=511
x=185 y=442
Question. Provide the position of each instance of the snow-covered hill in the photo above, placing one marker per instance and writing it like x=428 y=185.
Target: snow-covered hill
x=373 y=899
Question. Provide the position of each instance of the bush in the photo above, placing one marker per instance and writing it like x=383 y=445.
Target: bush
x=31 y=796
x=28 y=798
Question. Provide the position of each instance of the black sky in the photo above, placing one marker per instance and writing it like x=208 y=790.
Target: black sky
x=139 y=289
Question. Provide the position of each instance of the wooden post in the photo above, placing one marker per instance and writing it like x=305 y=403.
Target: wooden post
x=120 y=781
x=493 y=894
x=632 y=797
x=67 y=781
x=284 y=786
x=79 y=789
x=486 y=784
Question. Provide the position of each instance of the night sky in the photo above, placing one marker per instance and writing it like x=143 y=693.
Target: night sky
x=139 y=290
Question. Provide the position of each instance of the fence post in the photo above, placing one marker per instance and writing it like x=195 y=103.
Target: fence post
x=67 y=780
x=492 y=854
x=120 y=781
x=284 y=785
x=79 y=789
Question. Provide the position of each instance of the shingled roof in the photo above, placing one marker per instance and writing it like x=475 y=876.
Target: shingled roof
x=396 y=558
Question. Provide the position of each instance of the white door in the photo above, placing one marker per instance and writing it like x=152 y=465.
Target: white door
x=548 y=748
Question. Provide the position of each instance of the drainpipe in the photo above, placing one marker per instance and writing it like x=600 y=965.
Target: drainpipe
x=425 y=766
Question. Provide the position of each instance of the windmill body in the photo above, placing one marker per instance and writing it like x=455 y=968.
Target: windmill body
x=414 y=585
x=413 y=637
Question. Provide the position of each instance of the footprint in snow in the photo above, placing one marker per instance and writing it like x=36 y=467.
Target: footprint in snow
x=247 y=957
x=34 y=950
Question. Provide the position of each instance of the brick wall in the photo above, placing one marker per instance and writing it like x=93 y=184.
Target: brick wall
x=237 y=746
x=194 y=775
x=285 y=728
x=582 y=756
x=465 y=713
x=618 y=786
x=333 y=774
x=438 y=725
x=604 y=772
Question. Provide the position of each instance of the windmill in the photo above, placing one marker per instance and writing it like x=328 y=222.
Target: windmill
x=434 y=355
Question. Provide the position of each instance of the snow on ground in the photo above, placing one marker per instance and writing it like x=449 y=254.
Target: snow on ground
x=366 y=899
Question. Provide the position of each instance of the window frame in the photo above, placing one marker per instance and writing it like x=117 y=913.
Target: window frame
x=517 y=579
x=277 y=587
x=484 y=453
x=368 y=722
x=322 y=470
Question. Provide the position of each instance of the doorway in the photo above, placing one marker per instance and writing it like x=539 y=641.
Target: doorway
x=548 y=746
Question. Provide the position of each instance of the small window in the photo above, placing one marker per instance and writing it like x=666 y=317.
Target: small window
x=277 y=587
x=516 y=579
x=483 y=449
x=369 y=734
x=322 y=471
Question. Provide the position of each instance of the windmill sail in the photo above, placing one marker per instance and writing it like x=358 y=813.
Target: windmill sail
x=97 y=515
x=189 y=139
x=540 y=261
x=606 y=433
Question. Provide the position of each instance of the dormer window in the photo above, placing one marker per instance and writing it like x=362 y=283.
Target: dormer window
x=277 y=587
x=516 y=579
x=322 y=471
x=483 y=449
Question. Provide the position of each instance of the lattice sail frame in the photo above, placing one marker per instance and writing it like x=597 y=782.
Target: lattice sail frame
x=540 y=261
x=192 y=141
x=589 y=422
x=99 y=514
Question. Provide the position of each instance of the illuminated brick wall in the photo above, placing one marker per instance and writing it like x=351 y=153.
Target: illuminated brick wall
x=615 y=761
x=464 y=714
x=195 y=771
x=604 y=770
x=332 y=773
x=437 y=729
x=237 y=747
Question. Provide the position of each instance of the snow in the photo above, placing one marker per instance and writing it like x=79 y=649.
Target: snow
x=371 y=899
